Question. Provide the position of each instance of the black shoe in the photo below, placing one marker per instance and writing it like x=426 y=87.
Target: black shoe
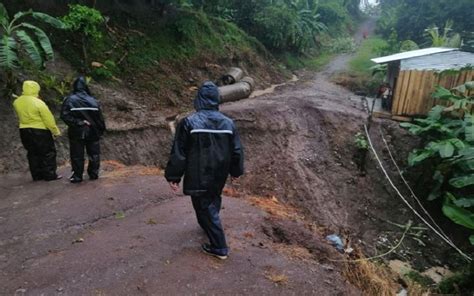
x=75 y=180
x=58 y=177
x=208 y=250
x=92 y=178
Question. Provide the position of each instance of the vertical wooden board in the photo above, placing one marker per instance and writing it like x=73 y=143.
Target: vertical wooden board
x=422 y=94
x=406 y=86
x=397 y=96
x=412 y=109
x=409 y=95
x=417 y=94
x=428 y=101
x=462 y=78
x=443 y=81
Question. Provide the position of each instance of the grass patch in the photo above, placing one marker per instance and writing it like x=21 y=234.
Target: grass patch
x=370 y=48
x=319 y=62
x=314 y=63
x=186 y=36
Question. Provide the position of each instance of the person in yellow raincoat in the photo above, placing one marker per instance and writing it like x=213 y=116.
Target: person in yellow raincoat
x=37 y=128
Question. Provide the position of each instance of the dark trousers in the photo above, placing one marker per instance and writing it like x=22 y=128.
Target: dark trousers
x=207 y=209
x=41 y=153
x=387 y=104
x=76 y=149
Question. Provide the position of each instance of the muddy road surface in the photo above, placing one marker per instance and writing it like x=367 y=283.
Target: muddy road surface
x=127 y=234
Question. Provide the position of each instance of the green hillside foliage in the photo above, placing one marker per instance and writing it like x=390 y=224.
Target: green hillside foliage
x=410 y=18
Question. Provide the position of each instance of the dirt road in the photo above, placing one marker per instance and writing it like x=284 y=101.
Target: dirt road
x=127 y=234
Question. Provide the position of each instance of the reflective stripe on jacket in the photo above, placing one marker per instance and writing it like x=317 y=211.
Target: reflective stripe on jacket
x=81 y=106
x=206 y=148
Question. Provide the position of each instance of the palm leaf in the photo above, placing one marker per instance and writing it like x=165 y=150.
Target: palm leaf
x=459 y=215
x=469 y=130
x=43 y=40
x=3 y=16
x=463 y=181
x=8 y=56
x=58 y=24
x=30 y=47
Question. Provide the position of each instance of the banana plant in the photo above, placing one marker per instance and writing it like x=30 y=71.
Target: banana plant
x=21 y=41
x=450 y=135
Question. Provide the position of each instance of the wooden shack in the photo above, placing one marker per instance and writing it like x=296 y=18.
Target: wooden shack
x=414 y=75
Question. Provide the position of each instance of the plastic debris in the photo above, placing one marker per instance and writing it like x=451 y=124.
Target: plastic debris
x=336 y=242
x=403 y=292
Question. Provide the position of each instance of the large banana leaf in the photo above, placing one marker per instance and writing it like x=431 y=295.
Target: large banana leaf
x=446 y=149
x=8 y=56
x=419 y=156
x=471 y=239
x=464 y=202
x=43 y=40
x=469 y=130
x=459 y=215
x=3 y=16
x=463 y=181
x=442 y=93
x=469 y=85
x=30 y=47
x=58 y=24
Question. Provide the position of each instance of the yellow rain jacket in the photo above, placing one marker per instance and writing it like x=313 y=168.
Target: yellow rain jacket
x=33 y=112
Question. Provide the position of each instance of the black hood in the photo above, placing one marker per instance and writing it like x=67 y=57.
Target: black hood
x=80 y=85
x=207 y=97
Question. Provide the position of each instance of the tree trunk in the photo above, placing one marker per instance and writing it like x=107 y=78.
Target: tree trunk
x=84 y=53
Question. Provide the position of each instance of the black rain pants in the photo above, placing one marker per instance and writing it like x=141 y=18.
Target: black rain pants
x=41 y=153
x=76 y=149
x=207 y=208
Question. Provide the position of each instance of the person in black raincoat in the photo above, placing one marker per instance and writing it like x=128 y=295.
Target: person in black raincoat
x=83 y=116
x=206 y=150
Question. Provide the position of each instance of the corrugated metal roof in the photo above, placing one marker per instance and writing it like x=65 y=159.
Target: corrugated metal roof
x=411 y=54
x=453 y=60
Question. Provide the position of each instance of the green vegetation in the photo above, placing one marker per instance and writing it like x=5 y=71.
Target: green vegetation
x=417 y=277
x=22 y=42
x=185 y=37
x=283 y=25
x=361 y=142
x=105 y=71
x=370 y=48
x=363 y=74
x=84 y=21
x=410 y=18
x=460 y=283
x=447 y=39
x=314 y=63
x=450 y=135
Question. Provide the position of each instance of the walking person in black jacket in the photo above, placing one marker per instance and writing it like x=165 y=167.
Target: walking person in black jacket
x=83 y=116
x=206 y=150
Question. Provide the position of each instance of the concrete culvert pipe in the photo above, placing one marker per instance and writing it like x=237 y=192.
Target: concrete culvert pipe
x=232 y=76
x=237 y=91
x=250 y=81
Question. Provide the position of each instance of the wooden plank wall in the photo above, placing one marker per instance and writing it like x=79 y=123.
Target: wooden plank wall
x=412 y=95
